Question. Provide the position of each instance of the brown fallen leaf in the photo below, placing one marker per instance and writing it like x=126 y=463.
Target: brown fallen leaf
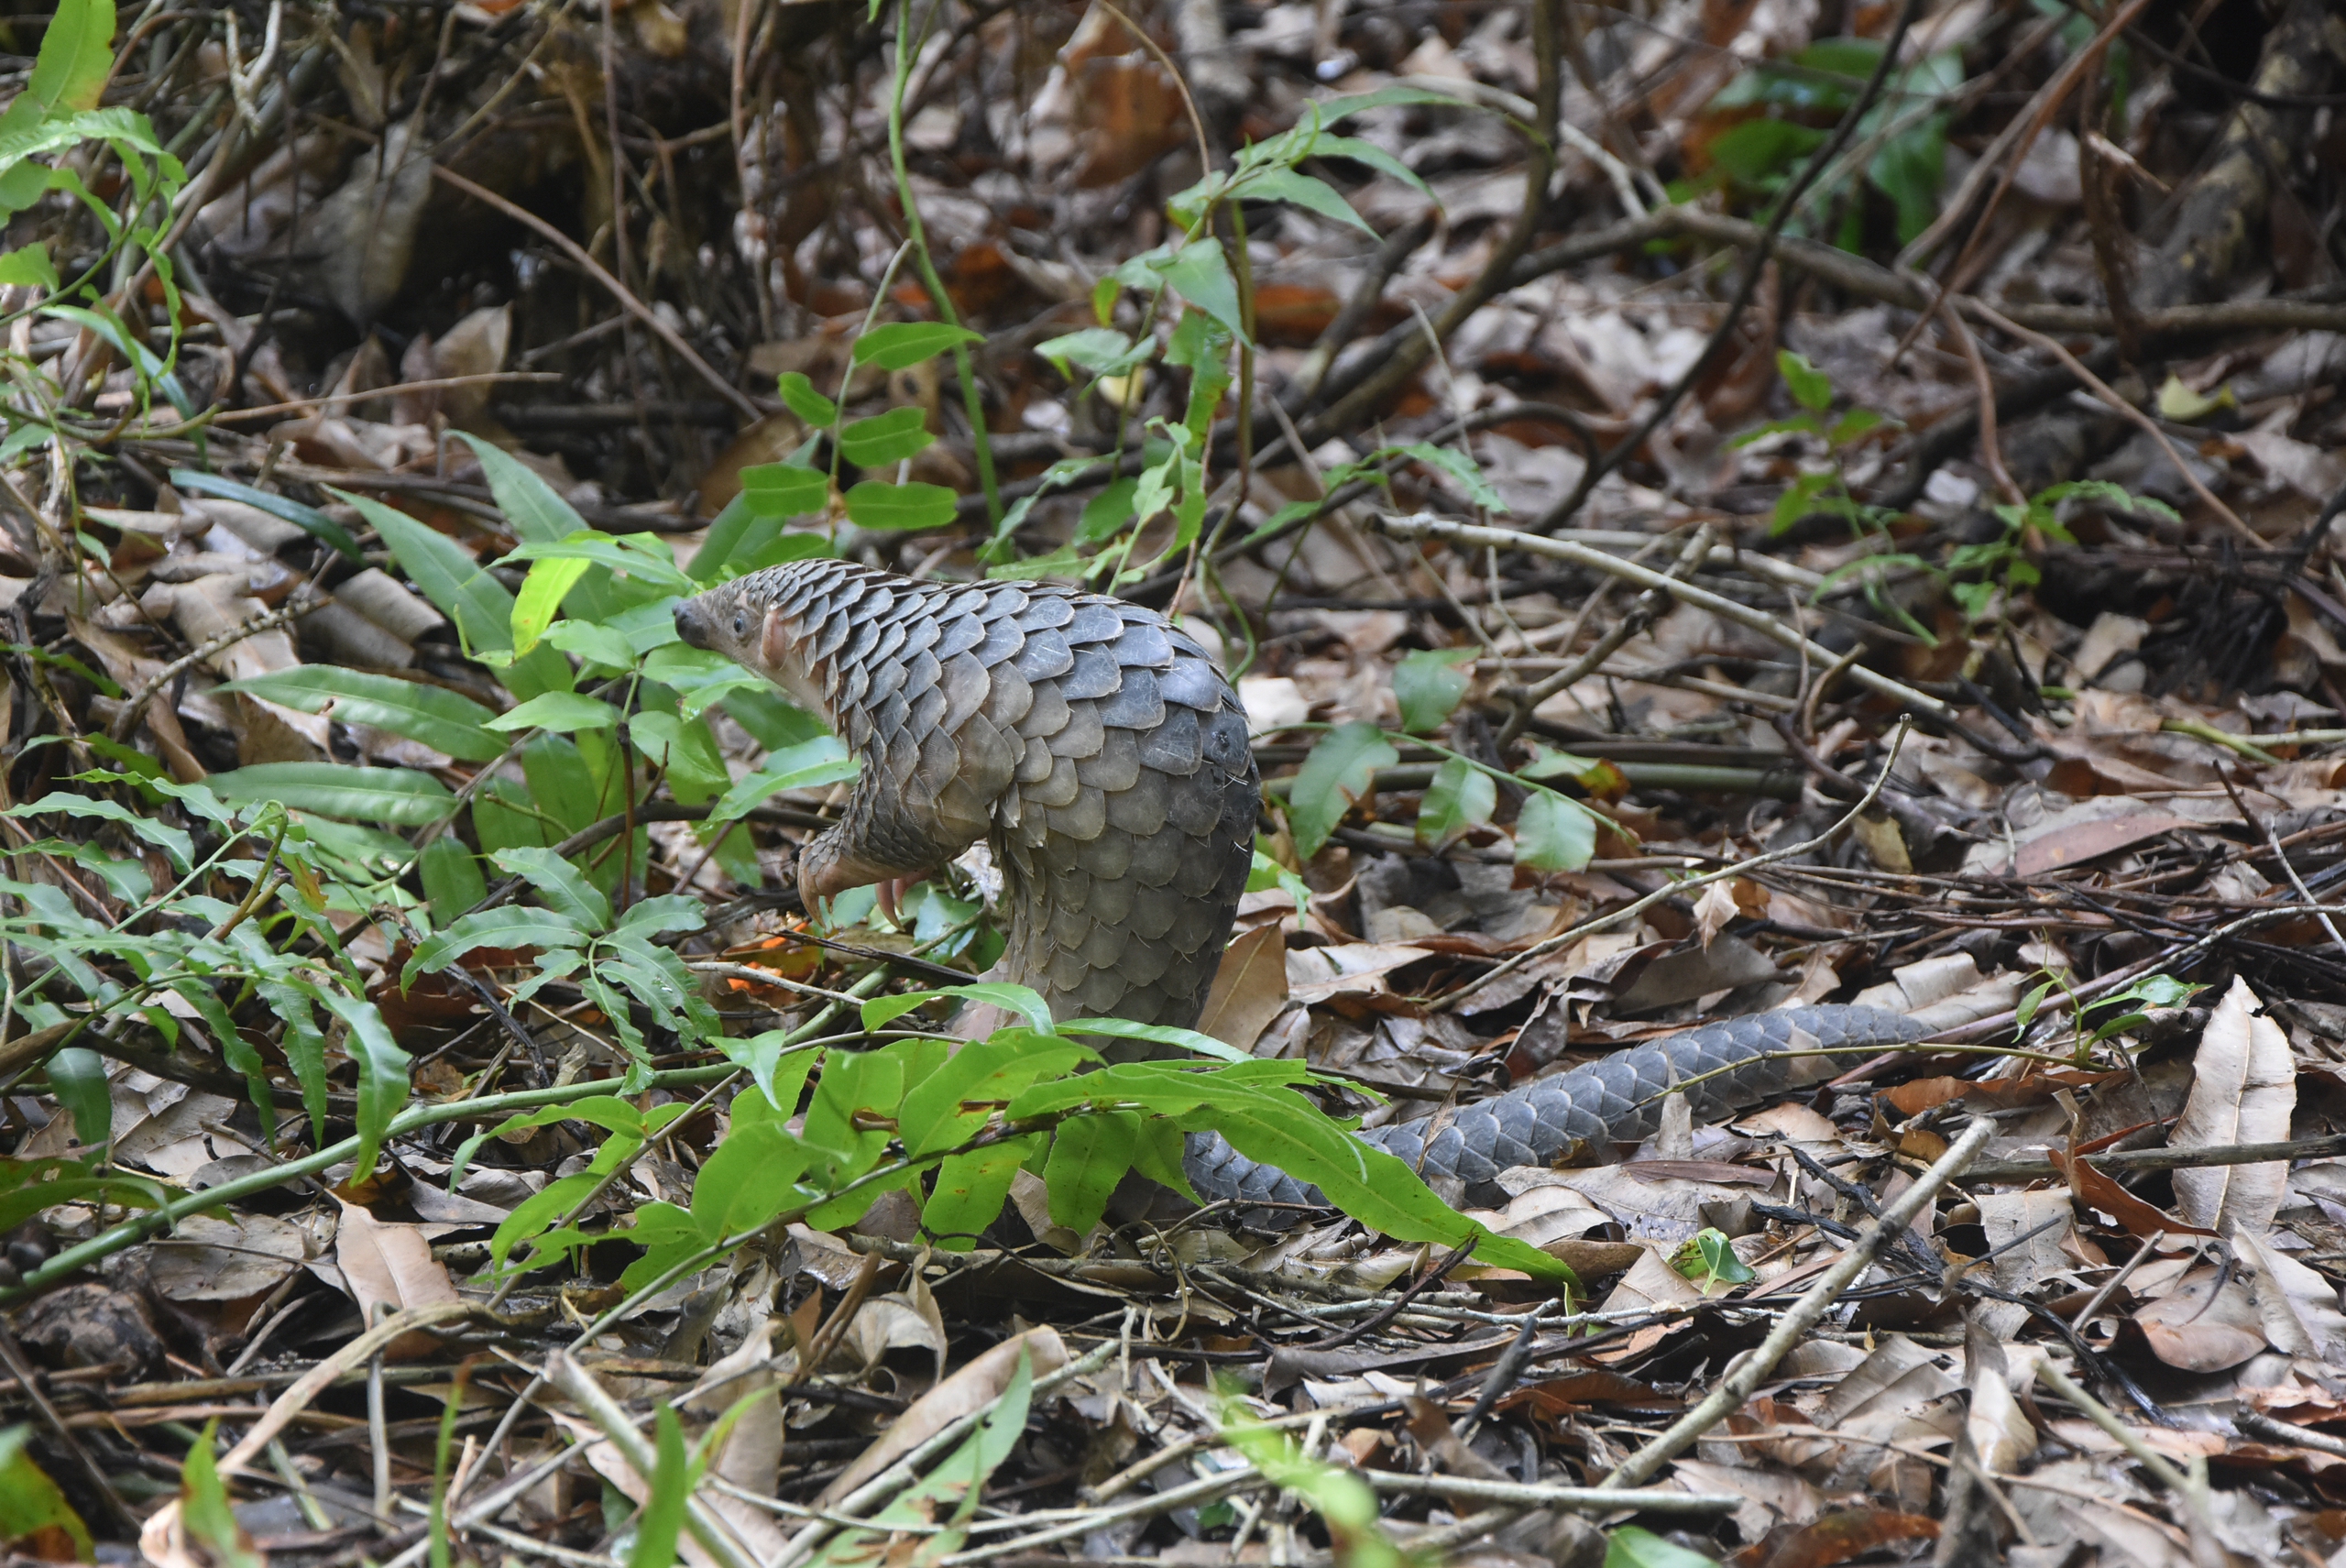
x=390 y=1265
x=2205 y=1324
x=1250 y=989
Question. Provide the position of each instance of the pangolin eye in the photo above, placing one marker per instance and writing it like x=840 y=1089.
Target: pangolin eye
x=740 y=625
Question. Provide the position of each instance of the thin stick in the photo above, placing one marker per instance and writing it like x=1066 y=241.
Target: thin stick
x=1801 y=1316
x=597 y=1404
x=1671 y=889
x=2101 y=389
x=1421 y=525
x=126 y=720
x=335 y=400
x=618 y=291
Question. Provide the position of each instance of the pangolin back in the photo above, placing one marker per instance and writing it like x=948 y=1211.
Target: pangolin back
x=1093 y=745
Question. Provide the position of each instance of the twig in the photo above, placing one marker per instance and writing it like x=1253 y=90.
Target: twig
x=1671 y=889
x=2281 y=1432
x=2101 y=389
x=897 y=1477
x=707 y=1527
x=1634 y=619
x=336 y=399
x=1422 y=525
x=2169 y=1159
x=1378 y=1320
x=618 y=291
x=1755 y=267
x=1653 y=1499
x=1801 y=1315
x=2257 y=824
x=136 y=703
x=2190 y=1491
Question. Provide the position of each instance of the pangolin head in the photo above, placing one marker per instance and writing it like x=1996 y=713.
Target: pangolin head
x=727 y=620
x=744 y=620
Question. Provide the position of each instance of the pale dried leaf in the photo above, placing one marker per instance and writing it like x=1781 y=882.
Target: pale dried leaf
x=2298 y=1306
x=390 y=1265
x=2200 y=1327
x=2243 y=1089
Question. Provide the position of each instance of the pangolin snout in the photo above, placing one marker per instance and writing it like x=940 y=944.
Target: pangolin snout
x=694 y=621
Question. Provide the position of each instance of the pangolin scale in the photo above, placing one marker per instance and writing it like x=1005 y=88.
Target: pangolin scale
x=1104 y=760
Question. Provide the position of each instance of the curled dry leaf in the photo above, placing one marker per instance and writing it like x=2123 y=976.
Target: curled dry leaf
x=2205 y=1323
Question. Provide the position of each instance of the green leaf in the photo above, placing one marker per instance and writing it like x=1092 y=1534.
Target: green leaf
x=1759 y=152
x=561 y=712
x=900 y=345
x=1336 y=777
x=76 y=54
x=1811 y=387
x=876 y=504
x=1089 y=1155
x=29 y=263
x=1340 y=1499
x=440 y=719
x=395 y=797
x=1554 y=833
x=452 y=878
x=309 y=520
x=784 y=490
x=304 y=1045
x=937 y=1113
x=799 y=396
x=1201 y=273
x=1375 y=157
x=1630 y=1547
x=382 y=1070
x=445 y=573
x=661 y=1519
x=1280 y=1127
x=1266 y=873
x=204 y=1510
x=1856 y=422
x=78 y=1079
x=808 y=765
x=1303 y=191
x=1101 y=350
x=1429 y=684
x=1459 y=465
x=540 y=600
x=464 y=591
x=751 y=1177
x=1157 y=1034
x=173 y=841
x=1460 y=796
x=1020 y=1000
x=564 y=889
x=507 y=926
x=30 y=1503
x=642 y=557
x=529 y=504
x=885 y=438
x=761 y=1056
x=1708 y=1258
x=970 y=1191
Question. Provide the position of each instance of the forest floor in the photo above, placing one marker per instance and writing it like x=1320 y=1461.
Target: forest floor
x=1711 y=506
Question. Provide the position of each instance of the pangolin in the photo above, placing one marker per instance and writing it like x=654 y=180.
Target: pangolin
x=1093 y=745
x=1105 y=759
